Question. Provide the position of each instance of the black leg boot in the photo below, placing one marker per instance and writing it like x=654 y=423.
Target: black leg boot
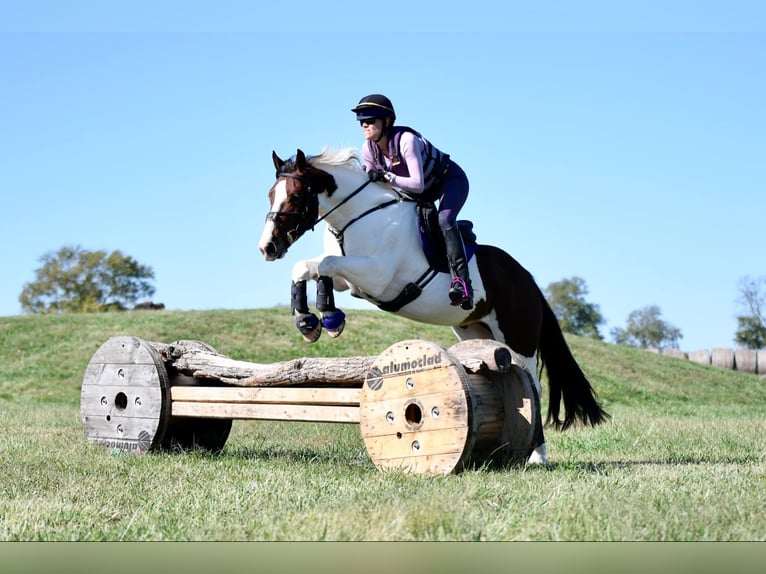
x=460 y=291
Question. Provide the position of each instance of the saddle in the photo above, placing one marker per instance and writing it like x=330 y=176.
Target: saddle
x=432 y=240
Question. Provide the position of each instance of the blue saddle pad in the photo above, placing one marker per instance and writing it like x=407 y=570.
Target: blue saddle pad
x=432 y=240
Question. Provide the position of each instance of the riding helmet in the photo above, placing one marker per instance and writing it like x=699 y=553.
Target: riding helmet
x=374 y=106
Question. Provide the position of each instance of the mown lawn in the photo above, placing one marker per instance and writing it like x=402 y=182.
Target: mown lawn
x=681 y=460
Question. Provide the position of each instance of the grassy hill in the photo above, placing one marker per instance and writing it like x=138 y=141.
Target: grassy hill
x=43 y=357
x=682 y=458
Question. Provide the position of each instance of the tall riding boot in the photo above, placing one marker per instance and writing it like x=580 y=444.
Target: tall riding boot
x=460 y=290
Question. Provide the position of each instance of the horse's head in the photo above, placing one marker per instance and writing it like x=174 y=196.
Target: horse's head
x=294 y=204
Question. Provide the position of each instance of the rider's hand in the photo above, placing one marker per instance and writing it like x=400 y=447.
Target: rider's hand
x=376 y=175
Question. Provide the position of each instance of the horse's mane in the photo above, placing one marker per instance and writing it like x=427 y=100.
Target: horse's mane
x=344 y=156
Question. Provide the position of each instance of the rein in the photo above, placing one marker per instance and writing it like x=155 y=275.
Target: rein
x=338 y=233
x=271 y=215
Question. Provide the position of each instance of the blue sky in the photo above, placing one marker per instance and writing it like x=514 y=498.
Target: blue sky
x=620 y=143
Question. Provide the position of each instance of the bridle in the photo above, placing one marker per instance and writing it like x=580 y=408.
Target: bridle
x=311 y=209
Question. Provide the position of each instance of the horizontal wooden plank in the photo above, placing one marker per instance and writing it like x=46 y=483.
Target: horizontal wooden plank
x=276 y=412
x=268 y=395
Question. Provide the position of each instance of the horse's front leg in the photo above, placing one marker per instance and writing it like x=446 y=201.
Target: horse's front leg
x=309 y=325
x=371 y=275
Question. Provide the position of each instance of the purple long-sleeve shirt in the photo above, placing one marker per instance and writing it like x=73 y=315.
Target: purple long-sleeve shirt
x=408 y=161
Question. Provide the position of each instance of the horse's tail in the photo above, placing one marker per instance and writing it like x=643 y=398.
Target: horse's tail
x=565 y=378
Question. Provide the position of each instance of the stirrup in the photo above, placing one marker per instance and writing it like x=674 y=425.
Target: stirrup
x=459 y=293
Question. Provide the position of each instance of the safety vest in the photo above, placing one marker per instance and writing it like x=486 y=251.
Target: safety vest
x=435 y=162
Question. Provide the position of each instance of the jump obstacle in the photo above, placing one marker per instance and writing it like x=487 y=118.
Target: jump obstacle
x=420 y=407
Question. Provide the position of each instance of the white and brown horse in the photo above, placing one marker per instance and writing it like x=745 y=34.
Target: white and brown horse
x=372 y=246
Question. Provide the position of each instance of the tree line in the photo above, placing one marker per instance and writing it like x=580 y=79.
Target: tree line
x=76 y=280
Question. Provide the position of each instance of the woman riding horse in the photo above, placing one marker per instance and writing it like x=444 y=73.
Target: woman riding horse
x=402 y=157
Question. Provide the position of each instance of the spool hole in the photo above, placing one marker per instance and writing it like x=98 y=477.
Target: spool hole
x=413 y=414
x=121 y=400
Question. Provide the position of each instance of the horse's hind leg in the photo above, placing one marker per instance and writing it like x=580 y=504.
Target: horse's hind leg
x=539 y=454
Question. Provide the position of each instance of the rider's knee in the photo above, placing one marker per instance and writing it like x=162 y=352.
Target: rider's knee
x=447 y=219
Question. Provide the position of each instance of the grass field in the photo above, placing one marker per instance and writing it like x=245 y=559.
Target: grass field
x=683 y=458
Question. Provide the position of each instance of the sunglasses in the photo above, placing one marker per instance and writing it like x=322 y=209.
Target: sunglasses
x=369 y=121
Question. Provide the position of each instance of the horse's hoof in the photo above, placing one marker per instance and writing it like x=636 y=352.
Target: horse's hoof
x=309 y=326
x=336 y=332
x=334 y=322
x=539 y=456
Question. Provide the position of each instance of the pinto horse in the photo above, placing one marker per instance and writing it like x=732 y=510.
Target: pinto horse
x=373 y=247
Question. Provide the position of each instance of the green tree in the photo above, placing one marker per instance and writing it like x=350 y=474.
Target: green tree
x=575 y=314
x=646 y=330
x=752 y=324
x=75 y=280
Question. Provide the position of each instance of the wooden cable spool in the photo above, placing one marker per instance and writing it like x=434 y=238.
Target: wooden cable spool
x=421 y=411
x=421 y=408
x=126 y=402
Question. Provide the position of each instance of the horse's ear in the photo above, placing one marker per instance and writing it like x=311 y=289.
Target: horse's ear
x=278 y=163
x=300 y=161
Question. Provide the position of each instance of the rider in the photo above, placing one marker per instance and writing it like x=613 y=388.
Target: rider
x=402 y=157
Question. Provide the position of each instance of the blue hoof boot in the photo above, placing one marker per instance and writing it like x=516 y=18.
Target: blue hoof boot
x=309 y=326
x=333 y=322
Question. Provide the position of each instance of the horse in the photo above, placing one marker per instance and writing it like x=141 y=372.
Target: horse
x=373 y=247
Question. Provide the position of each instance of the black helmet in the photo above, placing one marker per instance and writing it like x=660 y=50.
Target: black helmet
x=374 y=106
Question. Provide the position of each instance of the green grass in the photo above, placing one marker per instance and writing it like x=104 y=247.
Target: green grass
x=682 y=458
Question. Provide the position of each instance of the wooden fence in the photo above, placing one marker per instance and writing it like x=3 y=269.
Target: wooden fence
x=744 y=360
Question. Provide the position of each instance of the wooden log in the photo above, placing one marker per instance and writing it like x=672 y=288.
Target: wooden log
x=745 y=360
x=199 y=363
x=193 y=359
x=483 y=355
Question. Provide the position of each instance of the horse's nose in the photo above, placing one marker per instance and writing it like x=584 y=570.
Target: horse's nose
x=269 y=251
